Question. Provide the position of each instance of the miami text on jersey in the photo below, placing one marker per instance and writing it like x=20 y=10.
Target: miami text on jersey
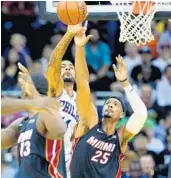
x=104 y=146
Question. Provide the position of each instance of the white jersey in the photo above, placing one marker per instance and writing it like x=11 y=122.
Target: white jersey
x=70 y=116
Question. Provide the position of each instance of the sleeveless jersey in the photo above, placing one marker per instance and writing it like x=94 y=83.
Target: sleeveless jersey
x=97 y=155
x=36 y=159
x=70 y=116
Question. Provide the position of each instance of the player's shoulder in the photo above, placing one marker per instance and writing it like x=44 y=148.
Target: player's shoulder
x=62 y=93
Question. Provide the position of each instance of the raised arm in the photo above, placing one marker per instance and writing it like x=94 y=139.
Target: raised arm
x=86 y=109
x=139 y=116
x=53 y=73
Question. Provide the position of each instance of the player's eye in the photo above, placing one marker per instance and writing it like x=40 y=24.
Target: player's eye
x=115 y=104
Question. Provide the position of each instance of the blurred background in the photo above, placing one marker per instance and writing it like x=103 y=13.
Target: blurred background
x=27 y=38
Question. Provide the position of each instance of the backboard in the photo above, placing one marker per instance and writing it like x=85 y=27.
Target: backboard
x=99 y=10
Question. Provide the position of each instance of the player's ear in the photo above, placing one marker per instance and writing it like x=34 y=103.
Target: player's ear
x=122 y=114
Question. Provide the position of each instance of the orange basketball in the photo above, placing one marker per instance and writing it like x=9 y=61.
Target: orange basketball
x=142 y=7
x=72 y=12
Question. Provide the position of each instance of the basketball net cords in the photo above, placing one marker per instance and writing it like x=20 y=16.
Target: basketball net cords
x=135 y=28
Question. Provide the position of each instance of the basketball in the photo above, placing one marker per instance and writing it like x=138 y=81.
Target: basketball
x=72 y=12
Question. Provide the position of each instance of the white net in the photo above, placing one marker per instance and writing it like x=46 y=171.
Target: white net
x=135 y=28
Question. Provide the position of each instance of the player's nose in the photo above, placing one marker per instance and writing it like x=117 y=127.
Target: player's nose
x=110 y=106
x=67 y=69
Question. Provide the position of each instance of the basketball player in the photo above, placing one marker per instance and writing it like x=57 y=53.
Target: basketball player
x=31 y=135
x=61 y=79
x=99 y=146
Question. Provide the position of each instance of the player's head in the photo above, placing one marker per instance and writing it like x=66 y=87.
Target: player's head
x=68 y=71
x=113 y=108
x=40 y=83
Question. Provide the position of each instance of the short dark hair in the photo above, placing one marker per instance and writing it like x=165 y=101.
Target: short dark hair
x=119 y=99
x=40 y=83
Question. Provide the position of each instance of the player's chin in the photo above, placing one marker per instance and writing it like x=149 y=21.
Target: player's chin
x=69 y=80
x=108 y=115
x=111 y=116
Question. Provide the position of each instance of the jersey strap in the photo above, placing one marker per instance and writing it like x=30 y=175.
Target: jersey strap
x=119 y=173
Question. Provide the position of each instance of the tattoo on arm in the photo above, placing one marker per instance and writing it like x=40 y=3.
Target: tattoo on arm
x=61 y=48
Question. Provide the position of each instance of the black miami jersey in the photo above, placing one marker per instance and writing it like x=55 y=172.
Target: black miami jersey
x=97 y=155
x=39 y=157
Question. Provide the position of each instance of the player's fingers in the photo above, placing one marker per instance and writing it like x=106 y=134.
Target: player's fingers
x=22 y=75
x=82 y=31
x=121 y=61
x=115 y=68
x=22 y=68
x=21 y=82
x=88 y=37
x=86 y=23
x=117 y=59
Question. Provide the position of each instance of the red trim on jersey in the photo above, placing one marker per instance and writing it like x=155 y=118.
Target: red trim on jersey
x=59 y=148
x=48 y=155
x=119 y=173
x=53 y=150
x=75 y=144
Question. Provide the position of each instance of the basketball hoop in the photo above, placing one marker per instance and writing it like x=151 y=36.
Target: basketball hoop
x=135 y=18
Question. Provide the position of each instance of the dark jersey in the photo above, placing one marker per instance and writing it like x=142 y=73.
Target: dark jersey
x=39 y=157
x=97 y=155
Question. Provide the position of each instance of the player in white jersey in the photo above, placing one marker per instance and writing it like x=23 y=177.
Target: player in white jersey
x=61 y=79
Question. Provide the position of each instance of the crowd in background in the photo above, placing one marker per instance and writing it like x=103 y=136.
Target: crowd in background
x=30 y=40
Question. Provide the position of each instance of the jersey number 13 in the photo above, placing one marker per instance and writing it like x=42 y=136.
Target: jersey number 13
x=25 y=148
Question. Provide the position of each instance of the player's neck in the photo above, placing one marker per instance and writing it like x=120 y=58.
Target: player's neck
x=109 y=126
x=69 y=87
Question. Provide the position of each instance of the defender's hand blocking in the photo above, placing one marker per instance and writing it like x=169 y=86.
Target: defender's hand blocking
x=26 y=82
x=121 y=71
x=81 y=39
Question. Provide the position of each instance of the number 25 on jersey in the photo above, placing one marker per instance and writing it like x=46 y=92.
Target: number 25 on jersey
x=101 y=157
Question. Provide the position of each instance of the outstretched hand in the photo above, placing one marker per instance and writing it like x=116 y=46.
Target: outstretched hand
x=26 y=82
x=121 y=71
x=81 y=39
